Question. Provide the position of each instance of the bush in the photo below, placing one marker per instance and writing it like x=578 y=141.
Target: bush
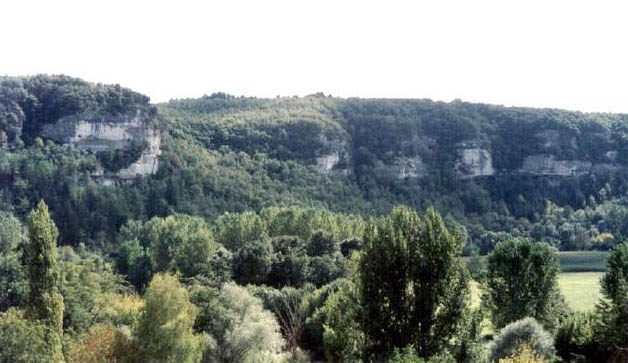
x=575 y=337
x=514 y=335
x=524 y=354
x=243 y=331
x=103 y=343
x=22 y=340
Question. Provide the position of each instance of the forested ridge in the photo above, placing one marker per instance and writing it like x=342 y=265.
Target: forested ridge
x=290 y=207
x=222 y=153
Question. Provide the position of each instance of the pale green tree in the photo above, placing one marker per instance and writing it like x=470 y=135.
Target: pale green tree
x=242 y=330
x=165 y=328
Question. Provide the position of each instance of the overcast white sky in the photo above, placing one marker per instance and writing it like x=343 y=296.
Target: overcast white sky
x=565 y=54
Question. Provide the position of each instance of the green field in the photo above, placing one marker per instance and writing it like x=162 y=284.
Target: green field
x=581 y=289
x=579 y=281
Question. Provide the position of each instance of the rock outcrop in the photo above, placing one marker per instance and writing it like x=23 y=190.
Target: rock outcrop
x=403 y=167
x=410 y=167
x=548 y=165
x=94 y=132
x=335 y=152
x=474 y=161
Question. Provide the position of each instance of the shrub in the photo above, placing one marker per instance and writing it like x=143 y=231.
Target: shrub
x=525 y=354
x=514 y=335
x=103 y=343
x=22 y=340
x=575 y=337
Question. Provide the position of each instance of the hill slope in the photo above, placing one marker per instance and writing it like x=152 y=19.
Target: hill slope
x=554 y=175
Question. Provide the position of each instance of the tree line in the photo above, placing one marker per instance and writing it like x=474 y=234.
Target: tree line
x=389 y=289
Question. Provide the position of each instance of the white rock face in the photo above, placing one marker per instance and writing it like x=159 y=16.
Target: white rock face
x=336 y=151
x=474 y=162
x=94 y=132
x=410 y=167
x=148 y=163
x=548 y=165
x=611 y=155
x=327 y=162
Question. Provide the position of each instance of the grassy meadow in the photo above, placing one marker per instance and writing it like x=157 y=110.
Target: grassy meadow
x=579 y=280
x=581 y=289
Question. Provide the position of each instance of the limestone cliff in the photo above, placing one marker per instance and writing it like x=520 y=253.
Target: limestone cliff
x=97 y=132
x=474 y=161
x=334 y=154
x=548 y=165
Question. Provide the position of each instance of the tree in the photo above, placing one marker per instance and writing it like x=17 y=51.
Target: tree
x=342 y=337
x=22 y=340
x=253 y=262
x=242 y=330
x=413 y=283
x=10 y=233
x=164 y=329
x=574 y=339
x=176 y=243
x=44 y=302
x=102 y=344
x=522 y=282
x=89 y=291
x=611 y=326
x=321 y=244
x=235 y=230
x=12 y=274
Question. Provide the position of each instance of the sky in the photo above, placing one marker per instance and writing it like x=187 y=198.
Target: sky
x=551 y=53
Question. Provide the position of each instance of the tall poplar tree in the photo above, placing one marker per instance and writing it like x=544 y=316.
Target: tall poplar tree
x=522 y=281
x=413 y=284
x=44 y=302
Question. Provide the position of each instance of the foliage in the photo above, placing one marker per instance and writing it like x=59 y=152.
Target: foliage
x=524 y=354
x=10 y=233
x=413 y=284
x=44 y=302
x=13 y=282
x=254 y=261
x=176 y=243
x=22 y=340
x=612 y=311
x=409 y=355
x=343 y=338
x=248 y=172
x=42 y=99
x=575 y=338
x=525 y=331
x=102 y=344
x=115 y=159
x=12 y=274
x=241 y=332
x=90 y=294
x=164 y=332
x=521 y=282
